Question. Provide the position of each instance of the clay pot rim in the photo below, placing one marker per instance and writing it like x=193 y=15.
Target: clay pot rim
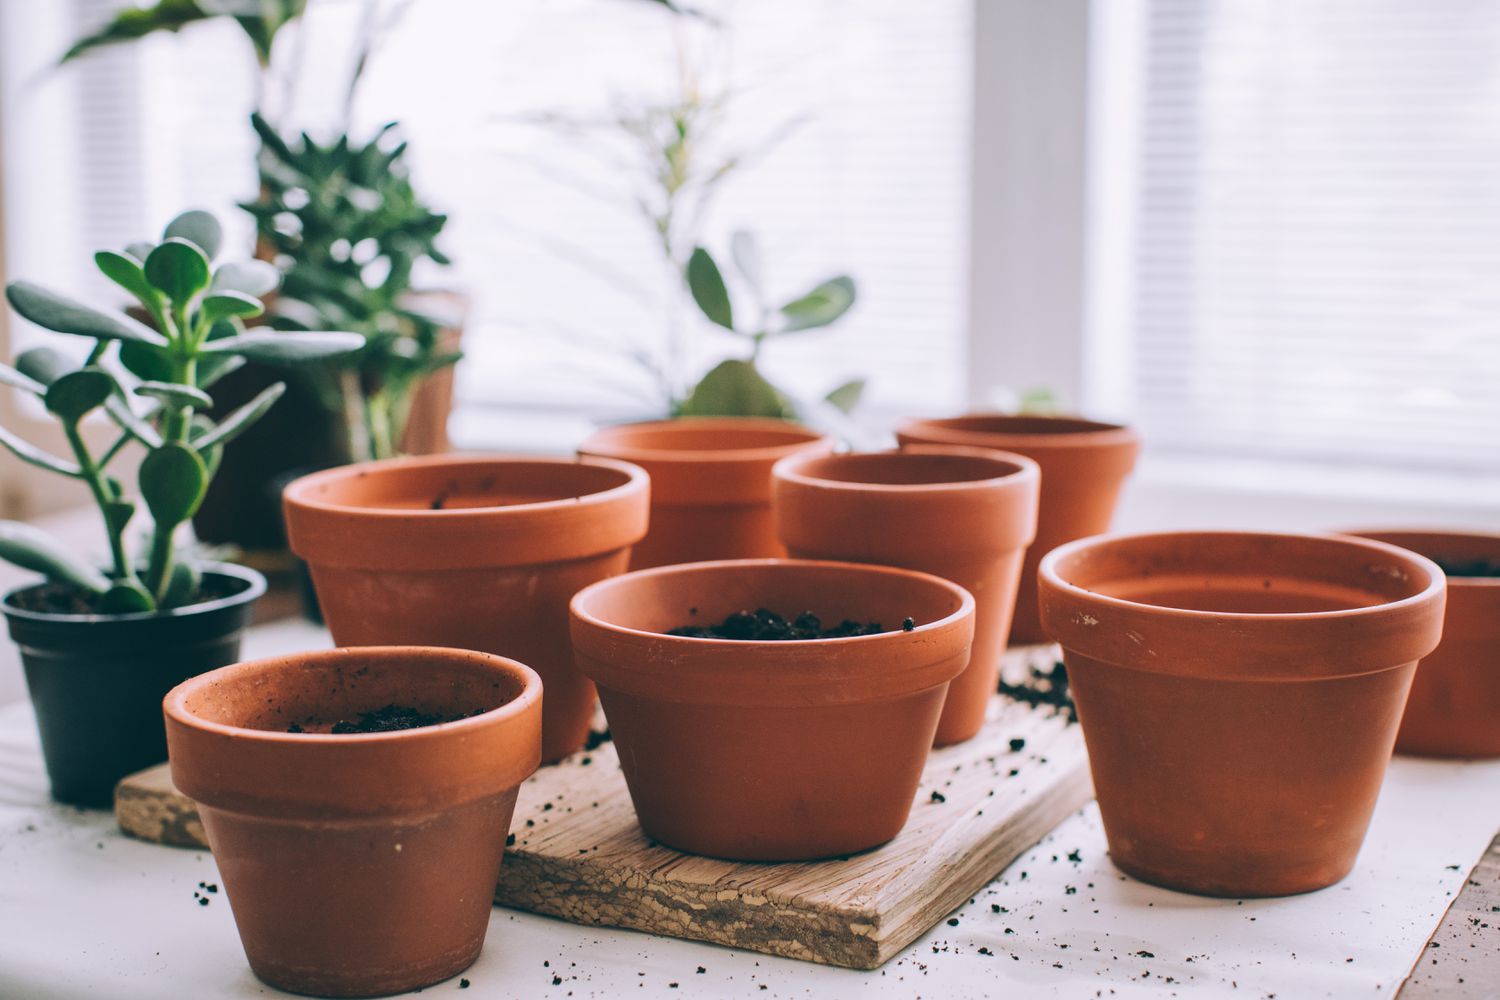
x=600 y=444
x=255 y=587
x=1047 y=570
x=174 y=704
x=296 y=492
x=1022 y=472
x=1457 y=534
x=1096 y=433
x=575 y=606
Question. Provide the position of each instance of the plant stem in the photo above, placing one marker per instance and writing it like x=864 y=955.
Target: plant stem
x=95 y=478
x=179 y=420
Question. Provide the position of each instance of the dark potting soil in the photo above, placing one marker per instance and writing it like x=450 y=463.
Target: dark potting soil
x=767 y=626
x=1469 y=568
x=65 y=599
x=390 y=719
x=1044 y=688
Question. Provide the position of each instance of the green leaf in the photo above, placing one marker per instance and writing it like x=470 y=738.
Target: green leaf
x=847 y=396
x=140 y=249
x=137 y=22
x=819 y=307
x=220 y=305
x=199 y=228
x=183 y=585
x=736 y=389
x=248 y=277
x=145 y=362
x=128 y=421
x=31 y=548
x=28 y=452
x=178 y=268
x=125 y=271
x=240 y=420
x=172 y=480
x=45 y=364
x=212 y=367
x=127 y=597
x=118 y=513
x=20 y=380
x=287 y=348
x=746 y=255
x=173 y=394
x=707 y=286
x=76 y=393
x=64 y=315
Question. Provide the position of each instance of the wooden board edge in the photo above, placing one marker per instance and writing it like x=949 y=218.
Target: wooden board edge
x=1471 y=973
x=161 y=816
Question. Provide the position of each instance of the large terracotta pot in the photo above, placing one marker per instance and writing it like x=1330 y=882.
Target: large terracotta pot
x=1239 y=694
x=1454 y=708
x=772 y=751
x=965 y=514
x=478 y=552
x=1083 y=463
x=357 y=865
x=710 y=483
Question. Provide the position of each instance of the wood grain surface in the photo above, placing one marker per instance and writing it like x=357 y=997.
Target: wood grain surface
x=1462 y=959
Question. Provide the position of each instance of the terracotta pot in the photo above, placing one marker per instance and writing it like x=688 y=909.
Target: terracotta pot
x=772 y=751
x=710 y=483
x=1454 y=708
x=357 y=865
x=96 y=681
x=1083 y=465
x=965 y=514
x=1239 y=694
x=493 y=569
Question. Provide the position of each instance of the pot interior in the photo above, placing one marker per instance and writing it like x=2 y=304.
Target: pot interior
x=1022 y=424
x=906 y=468
x=1243 y=574
x=705 y=594
x=464 y=485
x=317 y=690
x=691 y=436
x=1467 y=558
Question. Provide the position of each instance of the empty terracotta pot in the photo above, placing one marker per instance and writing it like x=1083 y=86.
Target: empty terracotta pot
x=1083 y=463
x=476 y=552
x=357 y=865
x=965 y=514
x=710 y=483
x=1239 y=694
x=772 y=751
x=1454 y=708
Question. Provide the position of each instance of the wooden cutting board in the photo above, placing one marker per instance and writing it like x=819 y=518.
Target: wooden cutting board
x=578 y=854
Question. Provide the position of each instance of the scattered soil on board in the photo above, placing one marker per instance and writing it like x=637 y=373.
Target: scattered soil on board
x=767 y=626
x=1044 y=689
x=390 y=719
x=65 y=599
x=1469 y=568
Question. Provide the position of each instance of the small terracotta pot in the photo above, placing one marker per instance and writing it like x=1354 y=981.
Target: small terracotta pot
x=965 y=514
x=358 y=865
x=1083 y=465
x=1454 y=708
x=710 y=483
x=772 y=751
x=1239 y=694
x=477 y=552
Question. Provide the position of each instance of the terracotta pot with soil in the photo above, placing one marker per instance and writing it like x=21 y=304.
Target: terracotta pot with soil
x=965 y=514
x=476 y=552
x=1454 y=708
x=1084 y=463
x=710 y=483
x=771 y=745
x=357 y=803
x=1239 y=694
x=96 y=681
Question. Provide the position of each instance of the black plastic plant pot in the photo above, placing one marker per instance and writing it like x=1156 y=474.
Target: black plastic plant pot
x=97 y=681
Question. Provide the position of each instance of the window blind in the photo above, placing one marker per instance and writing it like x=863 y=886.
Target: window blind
x=1317 y=271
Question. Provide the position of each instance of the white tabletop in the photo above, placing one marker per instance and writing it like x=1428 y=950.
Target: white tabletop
x=86 y=911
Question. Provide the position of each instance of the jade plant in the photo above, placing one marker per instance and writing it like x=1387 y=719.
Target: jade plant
x=736 y=387
x=151 y=380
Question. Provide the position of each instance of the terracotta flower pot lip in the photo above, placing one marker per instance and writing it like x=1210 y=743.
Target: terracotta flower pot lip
x=255 y=587
x=1417 y=539
x=1050 y=574
x=297 y=492
x=1011 y=470
x=615 y=441
x=175 y=703
x=1018 y=430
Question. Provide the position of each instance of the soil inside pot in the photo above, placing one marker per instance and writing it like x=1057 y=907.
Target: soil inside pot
x=1469 y=568
x=65 y=599
x=763 y=625
x=389 y=719
x=1044 y=689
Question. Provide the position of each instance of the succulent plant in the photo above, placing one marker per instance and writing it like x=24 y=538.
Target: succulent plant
x=152 y=382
